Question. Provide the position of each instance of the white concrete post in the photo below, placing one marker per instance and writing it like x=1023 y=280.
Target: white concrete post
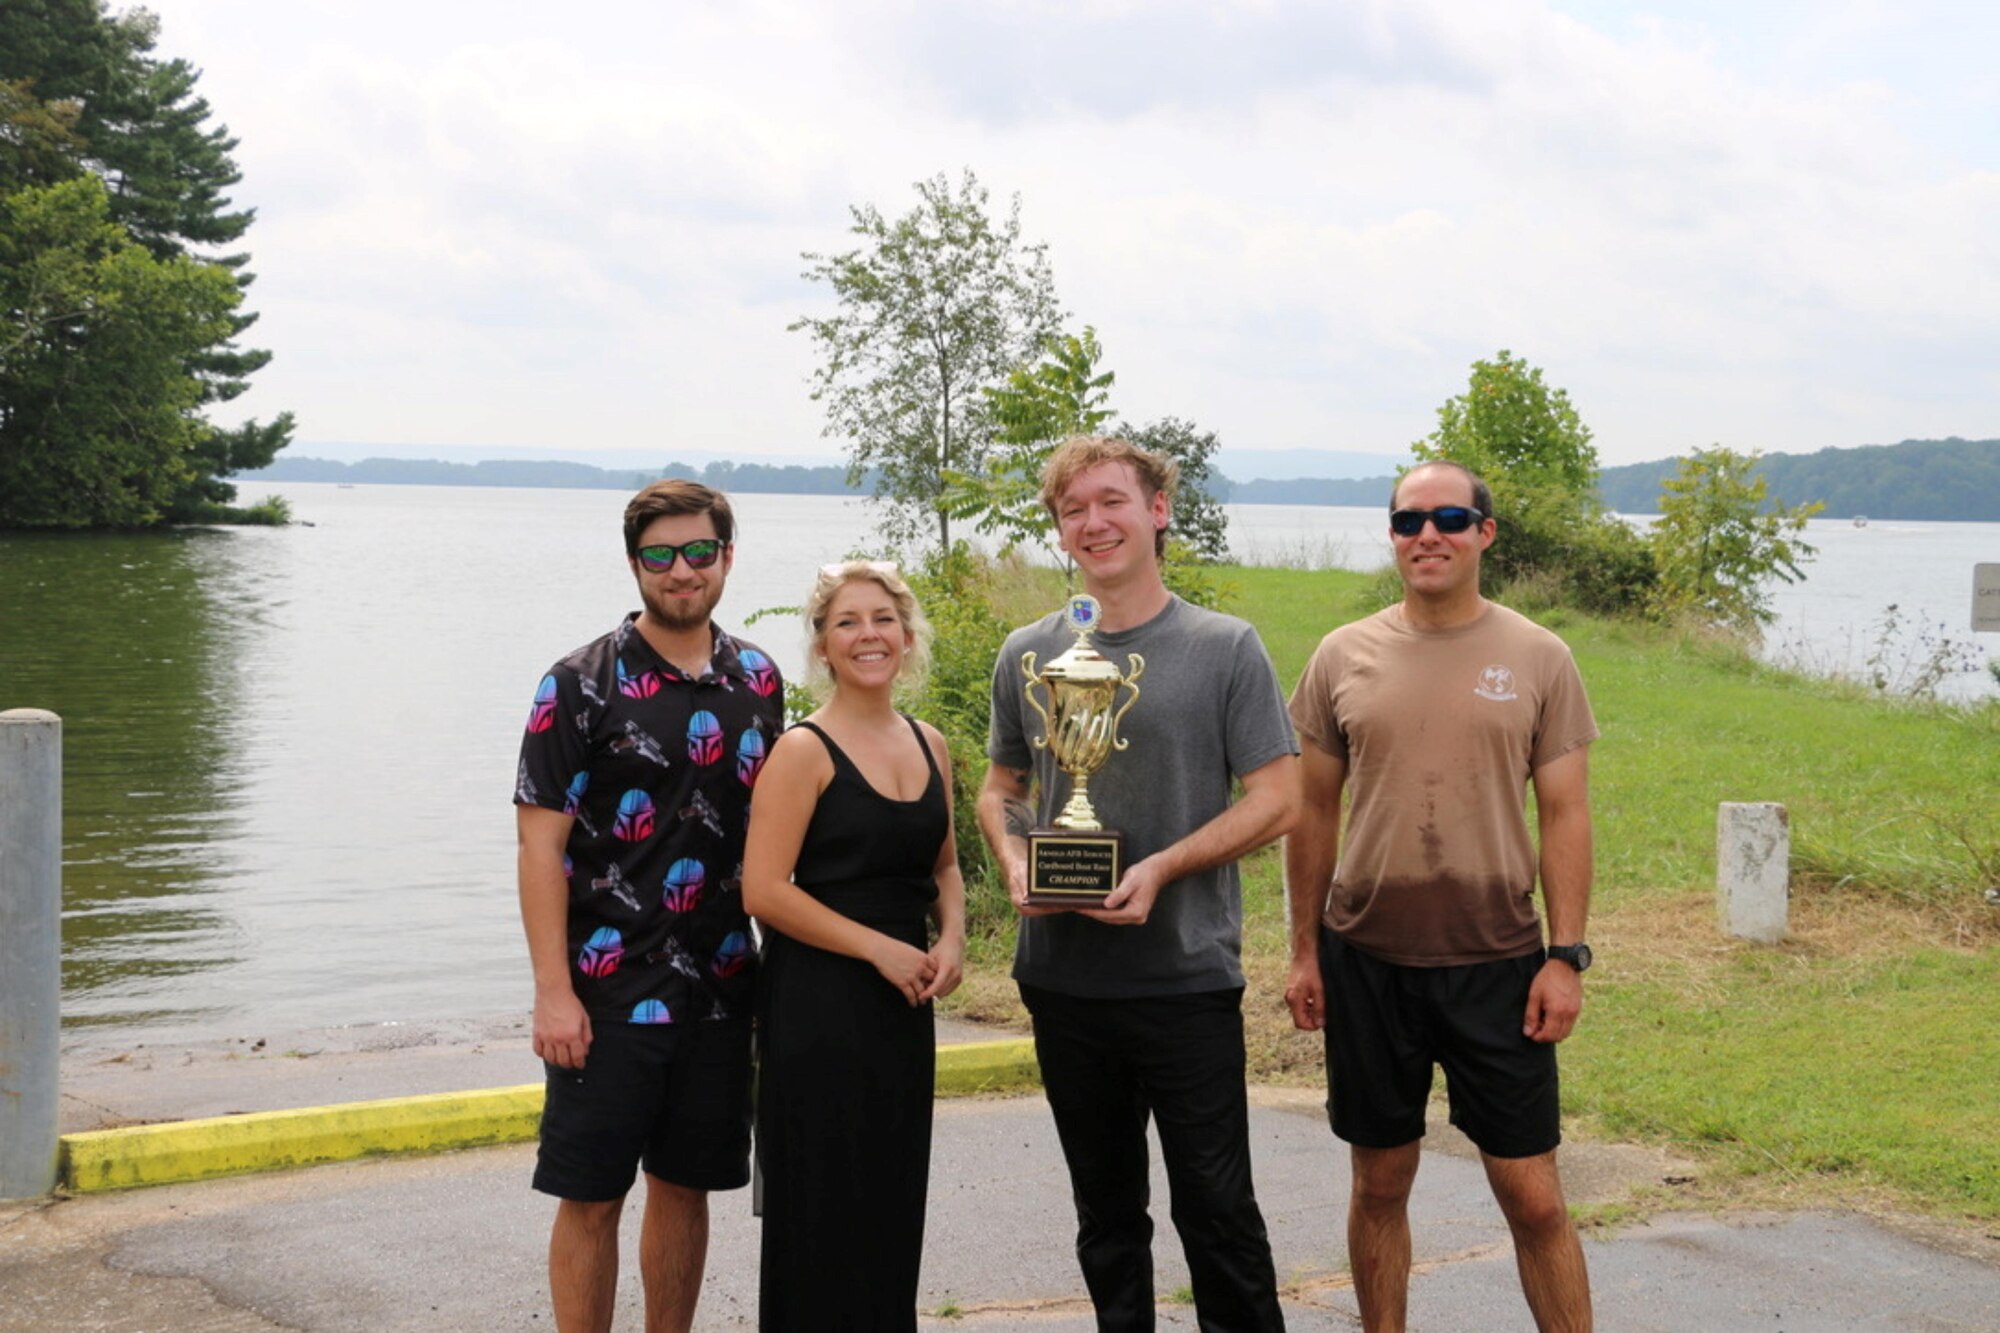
x=30 y=948
x=1753 y=869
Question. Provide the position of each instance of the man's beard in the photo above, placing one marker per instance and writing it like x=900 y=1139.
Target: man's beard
x=682 y=613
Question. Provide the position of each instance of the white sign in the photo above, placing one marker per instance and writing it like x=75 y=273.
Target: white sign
x=1986 y=598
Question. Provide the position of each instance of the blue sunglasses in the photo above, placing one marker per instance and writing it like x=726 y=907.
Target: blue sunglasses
x=1448 y=518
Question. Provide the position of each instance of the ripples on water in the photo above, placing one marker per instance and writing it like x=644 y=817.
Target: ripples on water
x=289 y=753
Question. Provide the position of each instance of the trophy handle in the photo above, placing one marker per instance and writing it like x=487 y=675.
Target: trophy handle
x=1028 y=669
x=1138 y=668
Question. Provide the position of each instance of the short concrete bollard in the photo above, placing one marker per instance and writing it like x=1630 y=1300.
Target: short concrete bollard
x=30 y=948
x=1753 y=869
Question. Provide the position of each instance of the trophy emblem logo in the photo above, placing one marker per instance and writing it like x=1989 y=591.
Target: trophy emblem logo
x=1076 y=861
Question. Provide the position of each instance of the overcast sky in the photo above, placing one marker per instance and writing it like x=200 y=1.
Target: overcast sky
x=576 y=228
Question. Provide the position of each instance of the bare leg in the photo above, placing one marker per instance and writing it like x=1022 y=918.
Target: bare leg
x=1546 y=1247
x=1378 y=1233
x=583 y=1265
x=673 y=1248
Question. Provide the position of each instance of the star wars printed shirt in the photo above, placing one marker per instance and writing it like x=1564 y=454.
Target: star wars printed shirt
x=656 y=768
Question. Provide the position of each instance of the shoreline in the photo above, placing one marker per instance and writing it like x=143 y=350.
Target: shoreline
x=115 y=1085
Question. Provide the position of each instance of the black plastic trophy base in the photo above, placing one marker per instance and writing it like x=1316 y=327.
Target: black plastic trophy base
x=1071 y=869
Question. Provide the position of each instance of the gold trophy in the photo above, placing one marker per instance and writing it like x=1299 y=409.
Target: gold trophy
x=1077 y=861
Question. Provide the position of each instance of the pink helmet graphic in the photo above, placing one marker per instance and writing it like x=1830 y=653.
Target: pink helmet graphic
x=602 y=954
x=643 y=685
x=542 y=715
x=635 y=817
x=704 y=738
x=763 y=676
x=750 y=751
x=684 y=882
x=732 y=956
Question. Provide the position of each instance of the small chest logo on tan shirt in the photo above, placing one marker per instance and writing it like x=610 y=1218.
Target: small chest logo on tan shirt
x=1496 y=683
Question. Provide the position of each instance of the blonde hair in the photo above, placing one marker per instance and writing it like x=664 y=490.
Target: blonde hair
x=832 y=578
x=1079 y=453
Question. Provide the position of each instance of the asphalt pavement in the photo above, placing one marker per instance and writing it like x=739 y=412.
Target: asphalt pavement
x=457 y=1240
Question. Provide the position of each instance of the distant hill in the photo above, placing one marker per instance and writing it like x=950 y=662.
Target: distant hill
x=747 y=477
x=1367 y=492
x=1939 y=480
x=1950 y=479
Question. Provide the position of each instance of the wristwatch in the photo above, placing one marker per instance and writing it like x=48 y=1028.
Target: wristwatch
x=1576 y=955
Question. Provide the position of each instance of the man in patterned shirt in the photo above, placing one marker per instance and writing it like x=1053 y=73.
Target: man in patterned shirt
x=631 y=802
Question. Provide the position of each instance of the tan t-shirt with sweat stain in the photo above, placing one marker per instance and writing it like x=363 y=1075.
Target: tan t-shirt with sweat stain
x=1440 y=731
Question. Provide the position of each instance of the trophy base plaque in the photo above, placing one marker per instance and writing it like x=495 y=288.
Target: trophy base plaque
x=1067 y=868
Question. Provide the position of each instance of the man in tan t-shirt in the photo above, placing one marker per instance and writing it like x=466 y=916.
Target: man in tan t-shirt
x=1415 y=940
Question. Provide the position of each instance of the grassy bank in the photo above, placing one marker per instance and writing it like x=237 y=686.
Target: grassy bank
x=1860 y=1058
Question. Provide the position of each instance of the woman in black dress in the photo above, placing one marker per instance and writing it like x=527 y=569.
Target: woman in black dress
x=849 y=860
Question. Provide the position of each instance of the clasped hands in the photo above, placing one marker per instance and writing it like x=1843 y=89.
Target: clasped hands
x=919 y=974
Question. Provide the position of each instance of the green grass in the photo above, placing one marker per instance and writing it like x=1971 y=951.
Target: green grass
x=1859 y=1060
x=1850 y=1072
x=1864 y=1055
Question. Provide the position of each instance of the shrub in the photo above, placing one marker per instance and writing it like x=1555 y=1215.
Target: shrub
x=960 y=590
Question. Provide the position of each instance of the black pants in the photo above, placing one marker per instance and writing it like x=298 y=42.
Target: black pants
x=1107 y=1065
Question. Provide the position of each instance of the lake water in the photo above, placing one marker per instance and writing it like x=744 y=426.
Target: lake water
x=289 y=752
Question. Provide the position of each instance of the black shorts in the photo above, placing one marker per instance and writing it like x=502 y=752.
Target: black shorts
x=675 y=1098
x=1387 y=1024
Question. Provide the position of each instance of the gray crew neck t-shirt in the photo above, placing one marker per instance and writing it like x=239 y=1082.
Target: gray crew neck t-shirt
x=1209 y=711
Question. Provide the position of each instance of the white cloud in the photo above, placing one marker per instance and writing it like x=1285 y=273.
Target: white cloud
x=1296 y=224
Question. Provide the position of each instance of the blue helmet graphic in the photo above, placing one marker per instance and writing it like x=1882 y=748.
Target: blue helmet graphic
x=684 y=882
x=602 y=953
x=640 y=685
x=635 y=817
x=732 y=956
x=704 y=738
x=750 y=751
x=757 y=668
x=542 y=715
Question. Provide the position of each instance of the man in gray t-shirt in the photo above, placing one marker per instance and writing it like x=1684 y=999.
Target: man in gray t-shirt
x=1137 y=1006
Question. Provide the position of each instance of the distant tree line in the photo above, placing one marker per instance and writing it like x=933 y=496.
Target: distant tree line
x=1950 y=480
x=1941 y=480
x=753 y=478
x=1358 y=492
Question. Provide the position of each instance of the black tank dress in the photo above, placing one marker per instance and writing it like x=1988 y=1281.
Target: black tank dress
x=846 y=1070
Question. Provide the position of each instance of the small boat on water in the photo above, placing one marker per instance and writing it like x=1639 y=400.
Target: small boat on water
x=1861 y=520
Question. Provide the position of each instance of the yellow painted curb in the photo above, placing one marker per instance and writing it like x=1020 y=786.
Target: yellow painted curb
x=987 y=1066
x=183 y=1150
x=110 y=1159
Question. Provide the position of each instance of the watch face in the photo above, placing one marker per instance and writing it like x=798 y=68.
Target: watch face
x=1576 y=955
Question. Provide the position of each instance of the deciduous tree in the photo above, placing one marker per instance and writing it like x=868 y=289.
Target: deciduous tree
x=1719 y=542
x=931 y=309
x=1199 y=524
x=81 y=93
x=98 y=425
x=1532 y=447
x=1039 y=406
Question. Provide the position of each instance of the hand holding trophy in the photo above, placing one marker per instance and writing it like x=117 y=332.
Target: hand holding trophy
x=1077 y=862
